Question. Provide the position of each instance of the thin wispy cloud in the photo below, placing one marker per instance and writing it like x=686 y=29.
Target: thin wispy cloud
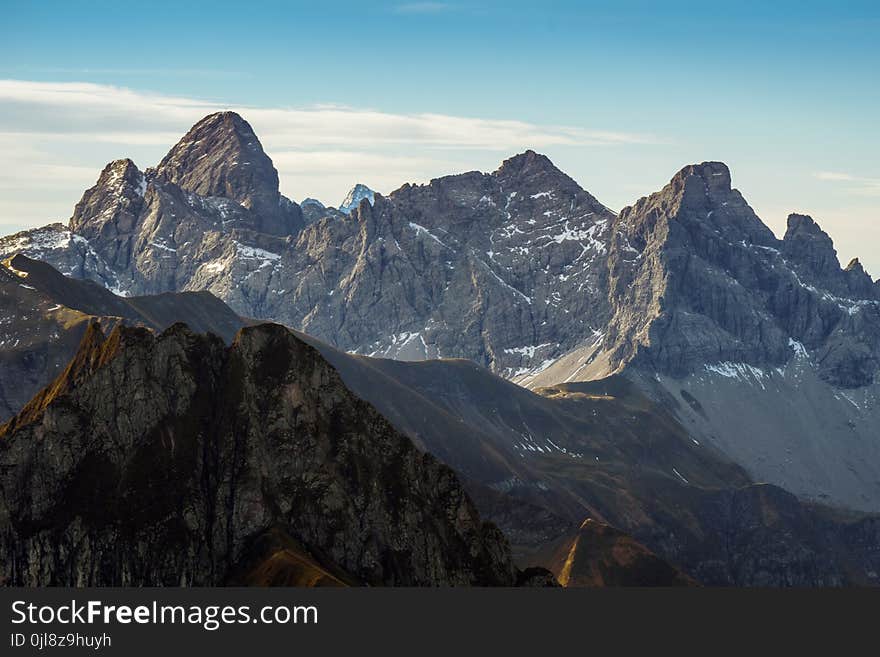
x=857 y=184
x=92 y=111
x=58 y=136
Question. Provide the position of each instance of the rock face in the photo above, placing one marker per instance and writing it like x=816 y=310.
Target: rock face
x=161 y=460
x=221 y=157
x=43 y=316
x=506 y=268
x=696 y=278
x=108 y=212
x=765 y=348
x=439 y=269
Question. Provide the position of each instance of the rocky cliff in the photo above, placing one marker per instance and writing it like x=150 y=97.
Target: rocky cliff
x=163 y=460
x=697 y=278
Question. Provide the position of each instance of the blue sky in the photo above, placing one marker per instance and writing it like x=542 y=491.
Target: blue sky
x=619 y=94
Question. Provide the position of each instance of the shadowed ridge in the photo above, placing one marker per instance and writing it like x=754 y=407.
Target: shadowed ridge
x=168 y=454
x=94 y=351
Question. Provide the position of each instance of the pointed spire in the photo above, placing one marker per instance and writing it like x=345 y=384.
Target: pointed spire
x=354 y=197
x=222 y=156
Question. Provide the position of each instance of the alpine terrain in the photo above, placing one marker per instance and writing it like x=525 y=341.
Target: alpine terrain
x=670 y=394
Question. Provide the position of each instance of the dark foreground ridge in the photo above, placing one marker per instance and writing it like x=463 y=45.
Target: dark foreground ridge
x=176 y=460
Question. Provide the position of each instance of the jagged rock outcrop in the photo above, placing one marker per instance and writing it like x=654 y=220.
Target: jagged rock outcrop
x=159 y=460
x=213 y=198
x=108 y=212
x=441 y=268
x=696 y=279
x=766 y=349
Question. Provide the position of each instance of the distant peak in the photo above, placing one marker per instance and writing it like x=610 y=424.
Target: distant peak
x=221 y=120
x=854 y=265
x=354 y=197
x=802 y=225
x=120 y=170
x=527 y=162
x=222 y=156
x=122 y=165
x=715 y=176
x=222 y=132
x=312 y=201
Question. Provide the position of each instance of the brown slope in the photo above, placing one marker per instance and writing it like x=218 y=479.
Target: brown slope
x=599 y=555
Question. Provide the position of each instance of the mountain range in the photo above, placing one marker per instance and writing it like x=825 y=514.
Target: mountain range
x=673 y=371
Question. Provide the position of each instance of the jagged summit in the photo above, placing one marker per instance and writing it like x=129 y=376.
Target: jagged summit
x=354 y=197
x=530 y=167
x=123 y=168
x=221 y=156
x=527 y=161
x=797 y=223
x=700 y=198
x=218 y=163
x=810 y=247
x=714 y=175
x=110 y=208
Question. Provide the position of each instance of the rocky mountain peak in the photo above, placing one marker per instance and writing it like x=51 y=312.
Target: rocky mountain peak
x=354 y=197
x=800 y=225
x=809 y=246
x=701 y=200
x=526 y=162
x=702 y=196
x=221 y=156
x=110 y=208
x=858 y=282
x=709 y=178
x=122 y=172
x=529 y=168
